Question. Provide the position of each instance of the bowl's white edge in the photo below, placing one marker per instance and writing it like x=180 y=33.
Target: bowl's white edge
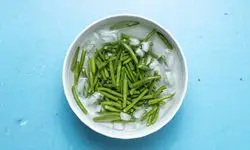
x=67 y=93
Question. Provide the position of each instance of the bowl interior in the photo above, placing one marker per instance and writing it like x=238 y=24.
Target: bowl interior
x=179 y=69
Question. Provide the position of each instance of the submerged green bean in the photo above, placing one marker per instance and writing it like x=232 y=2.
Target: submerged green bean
x=149 y=35
x=165 y=40
x=123 y=24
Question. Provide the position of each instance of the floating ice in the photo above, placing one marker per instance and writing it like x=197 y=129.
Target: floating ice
x=134 y=41
x=139 y=112
x=145 y=46
x=125 y=116
x=139 y=52
x=108 y=36
x=170 y=78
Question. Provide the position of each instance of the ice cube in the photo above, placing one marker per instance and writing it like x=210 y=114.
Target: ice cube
x=139 y=52
x=170 y=78
x=134 y=41
x=82 y=84
x=145 y=46
x=139 y=112
x=125 y=116
x=108 y=35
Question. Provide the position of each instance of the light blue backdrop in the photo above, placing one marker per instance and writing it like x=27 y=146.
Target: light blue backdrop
x=35 y=35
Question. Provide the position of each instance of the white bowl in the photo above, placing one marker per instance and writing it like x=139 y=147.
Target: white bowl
x=180 y=70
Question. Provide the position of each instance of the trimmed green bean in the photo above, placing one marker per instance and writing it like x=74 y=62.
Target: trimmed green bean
x=159 y=90
x=146 y=114
x=131 y=52
x=77 y=100
x=110 y=91
x=74 y=61
x=106 y=118
x=123 y=24
x=125 y=90
x=165 y=40
x=149 y=35
x=82 y=59
x=76 y=73
x=111 y=68
x=111 y=103
x=118 y=74
x=158 y=100
x=135 y=101
x=110 y=108
x=145 y=80
x=109 y=96
x=127 y=61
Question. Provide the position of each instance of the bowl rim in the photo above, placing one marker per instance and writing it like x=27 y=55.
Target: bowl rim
x=132 y=136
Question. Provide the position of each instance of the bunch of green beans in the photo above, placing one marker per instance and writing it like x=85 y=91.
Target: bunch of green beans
x=123 y=78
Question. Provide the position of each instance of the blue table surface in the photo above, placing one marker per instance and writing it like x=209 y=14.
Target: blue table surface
x=34 y=38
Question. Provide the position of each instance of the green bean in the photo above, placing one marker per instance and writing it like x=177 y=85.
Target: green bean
x=76 y=73
x=117 y=60
x=125 y=90
x=124 y=58
x=74 y=61
x=127 y=61
x=146 y=114
x=143 y=67
x=109 y=113
x=165 y=40
x=78 y=101
x=111 y=68
x=111 y=103
x=154 y=116
x=131 y=52
x=132 y=67
x=130 y=72
x=149 y=120
x=148 y=97
x=125 y=36
x=91 y=82
x=100 y=55
x=145 y=80
x=109 y=96
x=107 y=62
x=135 y=101
x=118 y=74
x=82 y=59
x=106 y=118
x=149 y=35
x=106 y=73
x=158 y=100
x=159 y=90
x=112 y=109
x=123 y=24
x=110 y=91
x=109 y=85
x=92 y=64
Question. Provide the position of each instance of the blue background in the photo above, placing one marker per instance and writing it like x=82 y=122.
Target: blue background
x=34 y=38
